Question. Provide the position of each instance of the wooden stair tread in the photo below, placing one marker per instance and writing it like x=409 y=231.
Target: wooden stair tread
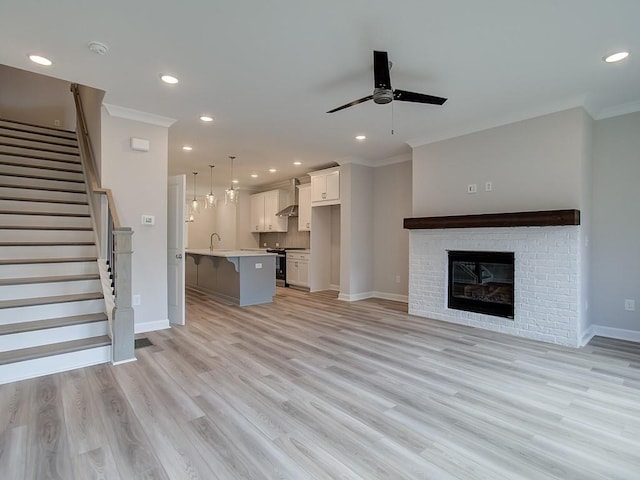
x=40 y=167
x=72 y=161
x=24 y=354
x=43 y=200
x=49 y=279
x=30 y=302
x=42 y=188
x=41 y=177
x=46 y=214
x=25 y=126
x=31 y=136
x=35 y=325
x=29 y=261
x=43 y=244
x=44 y=227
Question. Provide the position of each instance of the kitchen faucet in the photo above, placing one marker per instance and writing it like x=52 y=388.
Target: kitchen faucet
x=211 y=240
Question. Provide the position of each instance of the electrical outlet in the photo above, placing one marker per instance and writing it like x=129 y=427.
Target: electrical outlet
x=137 y=300
x=258 y=266
x=397 y=278
x=630 y=305
x=472 y=188
x=56 y=123
x=488 y=186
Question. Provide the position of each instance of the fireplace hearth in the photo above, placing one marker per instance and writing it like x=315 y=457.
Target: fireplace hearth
x=481 y=282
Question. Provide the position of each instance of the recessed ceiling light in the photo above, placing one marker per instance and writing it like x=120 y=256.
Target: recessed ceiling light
x=254 y=175
x=187 y=148
x=361 y=137
x=273 y=170
x=40 y=60
x=234 y=181
x=206 y=118
x=615 y=57
x=170 y=79
x=297 y=163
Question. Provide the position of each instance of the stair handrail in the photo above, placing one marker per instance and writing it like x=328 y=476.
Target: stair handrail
x=113 y=241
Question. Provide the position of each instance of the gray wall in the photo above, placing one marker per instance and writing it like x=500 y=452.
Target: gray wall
x=536 y=164
x=392 y=203
x=32 y=98
x=615 y=232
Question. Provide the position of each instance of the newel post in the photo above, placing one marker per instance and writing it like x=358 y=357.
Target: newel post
x=123 y=314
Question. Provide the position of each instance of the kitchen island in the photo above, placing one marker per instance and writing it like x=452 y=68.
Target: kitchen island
x=239 y=276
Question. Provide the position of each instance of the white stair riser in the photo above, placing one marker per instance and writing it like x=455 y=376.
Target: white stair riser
x=36 y=136
x=55 y=310
x=28 y=270
x=22 y=142
x=42 y=194
x=64 y=251
x=36 y=183
x=38 y=338
x=26 y=206
x=14 y=372
x=47 y=235
x=45 y=220
x=36 y=290
x=39 y=162
x=39 y=172
x=37 y=153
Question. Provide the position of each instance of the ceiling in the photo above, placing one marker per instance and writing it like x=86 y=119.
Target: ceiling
x=268 y=71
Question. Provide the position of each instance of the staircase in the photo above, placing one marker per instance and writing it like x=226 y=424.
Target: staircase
x=52 y=307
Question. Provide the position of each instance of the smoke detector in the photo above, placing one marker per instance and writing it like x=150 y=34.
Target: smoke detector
x=99 y=48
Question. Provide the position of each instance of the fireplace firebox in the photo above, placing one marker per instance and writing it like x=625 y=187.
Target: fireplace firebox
x=482 y=282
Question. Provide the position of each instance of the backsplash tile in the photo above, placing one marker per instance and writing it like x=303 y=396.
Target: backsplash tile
x=292 y=238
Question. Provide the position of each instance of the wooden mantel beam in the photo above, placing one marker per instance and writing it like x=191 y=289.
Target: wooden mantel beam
x=547 y=218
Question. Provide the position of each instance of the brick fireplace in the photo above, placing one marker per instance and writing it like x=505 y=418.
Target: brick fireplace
x=547 y=270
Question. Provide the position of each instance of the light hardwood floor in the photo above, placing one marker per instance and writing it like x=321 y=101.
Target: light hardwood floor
x=312 y=388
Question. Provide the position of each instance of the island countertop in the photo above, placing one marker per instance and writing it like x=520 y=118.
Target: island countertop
x=227 y=253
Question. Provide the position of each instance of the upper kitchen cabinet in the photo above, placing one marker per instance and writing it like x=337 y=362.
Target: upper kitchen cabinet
x=304 y=207
x=264 y=207
x=325 y=187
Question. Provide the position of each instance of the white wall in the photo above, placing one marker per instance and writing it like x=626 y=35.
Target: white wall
x=615 y=232
x=391 y=204
x=138 y=181
x=535 y=164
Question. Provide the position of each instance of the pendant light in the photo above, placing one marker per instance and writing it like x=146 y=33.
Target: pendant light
x=211 y=199
x=231 y=193
x=195 y=206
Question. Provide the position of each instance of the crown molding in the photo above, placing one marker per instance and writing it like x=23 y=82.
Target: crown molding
x=618 y=110
x=138 y=116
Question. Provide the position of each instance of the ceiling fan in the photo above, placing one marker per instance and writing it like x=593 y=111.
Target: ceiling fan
x=382 y=91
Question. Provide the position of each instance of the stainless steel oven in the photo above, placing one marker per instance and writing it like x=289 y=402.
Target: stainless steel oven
x=281 y=264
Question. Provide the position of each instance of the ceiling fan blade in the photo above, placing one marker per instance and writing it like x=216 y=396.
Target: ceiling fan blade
x=381 y=76
x=405 y=96
x=351 y=104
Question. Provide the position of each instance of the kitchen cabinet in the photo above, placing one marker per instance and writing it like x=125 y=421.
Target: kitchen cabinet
x=304 y=207
x=298 y=269
x=325 y=186
x=264 y=207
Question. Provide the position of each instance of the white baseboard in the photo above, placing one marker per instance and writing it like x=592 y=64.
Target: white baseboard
x=587 y=336
x=335 y=288
x=396 y=297
x=152 y=326
x=611 y=332
x=363 y=296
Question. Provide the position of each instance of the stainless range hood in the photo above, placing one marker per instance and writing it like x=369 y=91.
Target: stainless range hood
x=291 y=210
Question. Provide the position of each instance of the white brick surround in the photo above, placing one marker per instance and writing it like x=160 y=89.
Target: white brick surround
x=547 y=279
